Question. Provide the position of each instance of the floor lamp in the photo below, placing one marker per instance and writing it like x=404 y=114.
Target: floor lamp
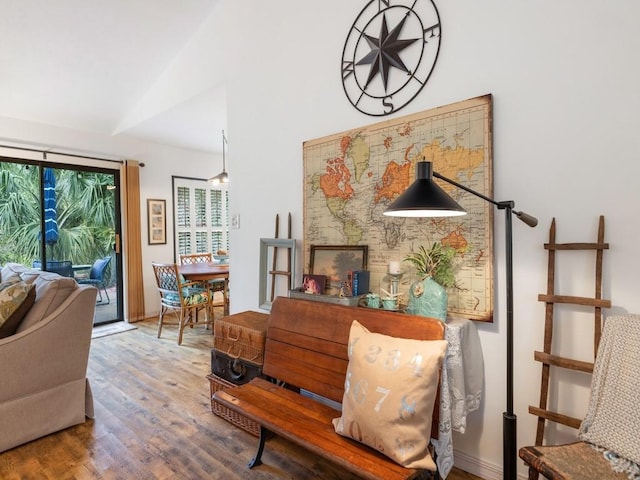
x=424 y=198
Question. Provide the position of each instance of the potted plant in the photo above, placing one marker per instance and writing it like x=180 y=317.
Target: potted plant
x=435 y=269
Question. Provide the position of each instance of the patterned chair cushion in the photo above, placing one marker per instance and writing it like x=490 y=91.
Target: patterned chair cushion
x=194 y=296
x=171 y=300
x=190 y=295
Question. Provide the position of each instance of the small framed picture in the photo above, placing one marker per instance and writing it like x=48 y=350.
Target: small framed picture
x=336 y=261
x=314 y=284
x=157 y=221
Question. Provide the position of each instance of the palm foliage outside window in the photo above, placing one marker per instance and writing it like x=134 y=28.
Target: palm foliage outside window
x=85 y=214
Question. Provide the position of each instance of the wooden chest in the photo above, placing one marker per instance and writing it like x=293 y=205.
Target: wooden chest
x=241 y=336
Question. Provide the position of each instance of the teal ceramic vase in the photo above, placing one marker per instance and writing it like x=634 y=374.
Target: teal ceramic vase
x=428 y=298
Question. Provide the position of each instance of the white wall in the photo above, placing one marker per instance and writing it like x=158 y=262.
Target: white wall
x=564 y=81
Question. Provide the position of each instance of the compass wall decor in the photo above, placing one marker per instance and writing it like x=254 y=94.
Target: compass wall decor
x=389 y=54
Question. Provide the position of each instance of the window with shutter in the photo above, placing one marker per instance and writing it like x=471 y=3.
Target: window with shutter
x=201 y=216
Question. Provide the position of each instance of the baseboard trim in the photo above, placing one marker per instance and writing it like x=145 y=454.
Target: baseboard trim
x=478 y=467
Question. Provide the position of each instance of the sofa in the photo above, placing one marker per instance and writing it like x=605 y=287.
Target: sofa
x=43 y=364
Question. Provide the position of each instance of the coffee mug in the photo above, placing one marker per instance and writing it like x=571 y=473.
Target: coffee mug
x=389 y=303
x=373 y=300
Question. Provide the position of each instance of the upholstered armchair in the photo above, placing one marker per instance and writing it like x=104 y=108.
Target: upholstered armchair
x=43 y=366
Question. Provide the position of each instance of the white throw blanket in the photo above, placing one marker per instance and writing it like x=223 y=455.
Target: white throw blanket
x=613 y=418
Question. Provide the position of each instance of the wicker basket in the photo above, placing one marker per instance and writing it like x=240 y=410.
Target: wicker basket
x=236 y=419
x=241 y=336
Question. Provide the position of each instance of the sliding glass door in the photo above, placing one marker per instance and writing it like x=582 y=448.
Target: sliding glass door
x=64 y=218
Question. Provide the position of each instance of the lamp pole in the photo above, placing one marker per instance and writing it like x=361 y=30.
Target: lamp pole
x=424 y=198
x=509 y=419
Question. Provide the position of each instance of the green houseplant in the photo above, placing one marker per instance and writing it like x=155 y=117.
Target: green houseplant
x=435 y=269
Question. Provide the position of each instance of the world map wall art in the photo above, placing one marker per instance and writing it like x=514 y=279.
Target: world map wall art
x=351 y=177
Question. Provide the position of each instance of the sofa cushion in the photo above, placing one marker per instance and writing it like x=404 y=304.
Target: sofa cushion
x=11 y=270
x=51 y=291
x=17 y=271
x=15 y=302
x=30 y=275
x=389 y=394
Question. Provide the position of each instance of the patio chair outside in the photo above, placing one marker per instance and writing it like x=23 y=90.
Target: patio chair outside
x=61 y=267
x=96 y=278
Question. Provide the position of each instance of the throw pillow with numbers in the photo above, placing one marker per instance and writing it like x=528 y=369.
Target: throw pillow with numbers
x=389 y=394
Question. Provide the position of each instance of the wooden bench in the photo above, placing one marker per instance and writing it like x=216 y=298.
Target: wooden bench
x=306 y=347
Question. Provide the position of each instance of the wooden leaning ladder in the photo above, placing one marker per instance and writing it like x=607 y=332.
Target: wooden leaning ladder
x=548 y=359
x=274 y=272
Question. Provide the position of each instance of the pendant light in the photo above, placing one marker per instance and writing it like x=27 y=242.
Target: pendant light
x=222 y=177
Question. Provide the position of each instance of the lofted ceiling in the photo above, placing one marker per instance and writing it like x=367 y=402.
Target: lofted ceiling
x=95 y=65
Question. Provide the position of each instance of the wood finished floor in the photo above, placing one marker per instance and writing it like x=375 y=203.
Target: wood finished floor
x=153 y=421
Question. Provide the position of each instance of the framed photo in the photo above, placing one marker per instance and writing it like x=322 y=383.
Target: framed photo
x=157 y=221
x=314 y=284
x=336 y=261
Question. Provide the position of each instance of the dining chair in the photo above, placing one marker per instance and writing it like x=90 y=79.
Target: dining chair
x=608 y=448
x=216 y=285
x=96 y=278
x=181 y=297
x=189 y=258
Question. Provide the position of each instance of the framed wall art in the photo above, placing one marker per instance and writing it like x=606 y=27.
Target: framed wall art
x=157 y=221
x=336 y=261
x=351 y=177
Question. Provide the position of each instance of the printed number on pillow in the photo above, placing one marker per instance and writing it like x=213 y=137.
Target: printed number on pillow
x=389 y=394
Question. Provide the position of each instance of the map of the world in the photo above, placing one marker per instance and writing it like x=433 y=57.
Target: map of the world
x=351 y=177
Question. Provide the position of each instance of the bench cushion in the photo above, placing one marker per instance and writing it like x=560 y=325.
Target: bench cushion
x=389 y=395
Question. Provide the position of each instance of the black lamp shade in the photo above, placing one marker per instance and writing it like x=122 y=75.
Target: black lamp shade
x=424 y=198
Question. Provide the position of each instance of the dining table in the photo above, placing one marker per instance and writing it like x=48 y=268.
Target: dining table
x=205 y=271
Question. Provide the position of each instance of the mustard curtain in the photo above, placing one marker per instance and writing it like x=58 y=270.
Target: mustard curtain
x=133 y=242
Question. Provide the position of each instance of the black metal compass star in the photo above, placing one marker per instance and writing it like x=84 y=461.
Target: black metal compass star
x=385 y=52
x=389 y=55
